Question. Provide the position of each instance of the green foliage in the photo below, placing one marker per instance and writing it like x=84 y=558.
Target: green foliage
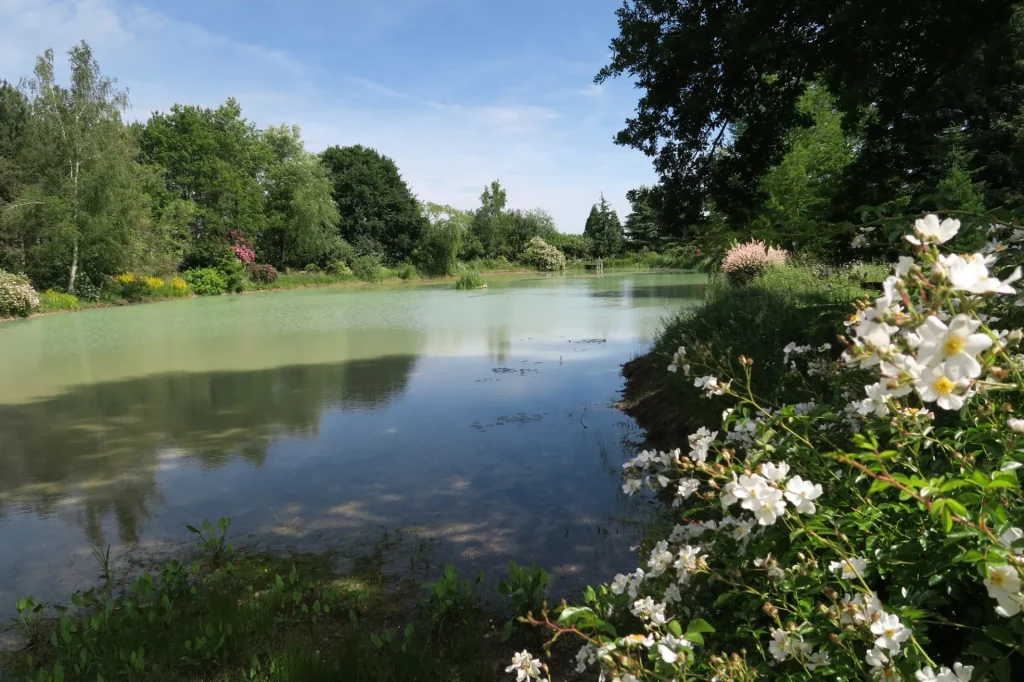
x=17 y=297
x=338 y=267
x=861 y=518
x=525 y=589
x=215 y=158
x=441 y=242
x=574 y=246
x=803 y=305
x=722 y=85
x=14 y=117
x=799 y=190
x=407 y=271
x=302 y=221
x=451 y=601
x=56 y=300
x=643 y=229
x=469 y=279
x=206 y=281
x=603 y=230
x=379 y=214
x=485 y=233
x=82 y=205
x=367 y=269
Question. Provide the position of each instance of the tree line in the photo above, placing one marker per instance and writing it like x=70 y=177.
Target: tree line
x=85 y=195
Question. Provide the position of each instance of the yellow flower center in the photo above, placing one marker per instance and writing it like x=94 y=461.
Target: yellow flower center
x=944 y=386
x=997 y=579
x=954 y=344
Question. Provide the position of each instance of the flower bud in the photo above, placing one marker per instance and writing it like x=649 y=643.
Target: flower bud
x=834 y=636
x=1014 y=337
x=770 y=610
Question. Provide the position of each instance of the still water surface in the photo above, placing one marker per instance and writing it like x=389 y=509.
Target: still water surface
x=479 y=421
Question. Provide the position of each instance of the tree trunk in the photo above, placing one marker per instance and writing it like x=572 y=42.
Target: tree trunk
x=74 y=267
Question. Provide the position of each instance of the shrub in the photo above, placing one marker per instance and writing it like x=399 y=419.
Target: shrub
x=205 y=281
x=866 y=525
x=470 y=279
x=338 y=267
x=543 y=256
x=407 y=271
x=263 y=274
x=56 y=300
x=742 y=262
x=241 y=247
x=574 y=246
x=312 y=268
x=130 y=287
x=177 y=287
x=154 y=282
x=17 y=297
x=367 y=268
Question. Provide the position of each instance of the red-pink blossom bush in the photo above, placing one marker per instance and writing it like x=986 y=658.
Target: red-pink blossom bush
x=242 y=247
x=745 y=261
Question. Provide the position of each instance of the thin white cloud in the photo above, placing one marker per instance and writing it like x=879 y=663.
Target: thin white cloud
x=548 y=152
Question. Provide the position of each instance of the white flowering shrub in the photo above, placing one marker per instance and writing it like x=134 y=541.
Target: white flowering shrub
x=871 y=531
x=17 y=297
x=543 y=256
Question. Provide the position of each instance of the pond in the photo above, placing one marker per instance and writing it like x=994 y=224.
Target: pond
x=481 y=423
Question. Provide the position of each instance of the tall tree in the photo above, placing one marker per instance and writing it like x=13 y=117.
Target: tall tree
x=712 y=70
x=603 y=229
x=379 y=213
x=439 y=246
x=487 y=234
x=643 y=227
x=215 y=159
x=84 y=206
x=302 y=221
x=14 y=112
x=799 y=191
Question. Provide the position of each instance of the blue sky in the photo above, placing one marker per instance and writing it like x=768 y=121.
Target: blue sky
x=457 y=92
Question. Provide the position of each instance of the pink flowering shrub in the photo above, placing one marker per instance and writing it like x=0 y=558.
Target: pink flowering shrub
x=743 y=262
x=242 y=247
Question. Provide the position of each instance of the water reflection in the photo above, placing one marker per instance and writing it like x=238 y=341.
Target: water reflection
x=482 y=419
x=99 y=444
x=631 y=290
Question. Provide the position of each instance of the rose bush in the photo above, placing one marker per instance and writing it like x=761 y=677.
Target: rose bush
x=866 y=527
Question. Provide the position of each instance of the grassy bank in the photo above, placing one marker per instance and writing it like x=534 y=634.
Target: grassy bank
x=803 y=305
x=55 y=302
x=230 y=615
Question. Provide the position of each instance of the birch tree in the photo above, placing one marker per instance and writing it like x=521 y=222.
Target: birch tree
x=85 y=205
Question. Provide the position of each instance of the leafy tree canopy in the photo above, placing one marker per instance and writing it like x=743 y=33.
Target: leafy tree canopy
x=723 y=83
x=379 y=213
x=214 y=158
